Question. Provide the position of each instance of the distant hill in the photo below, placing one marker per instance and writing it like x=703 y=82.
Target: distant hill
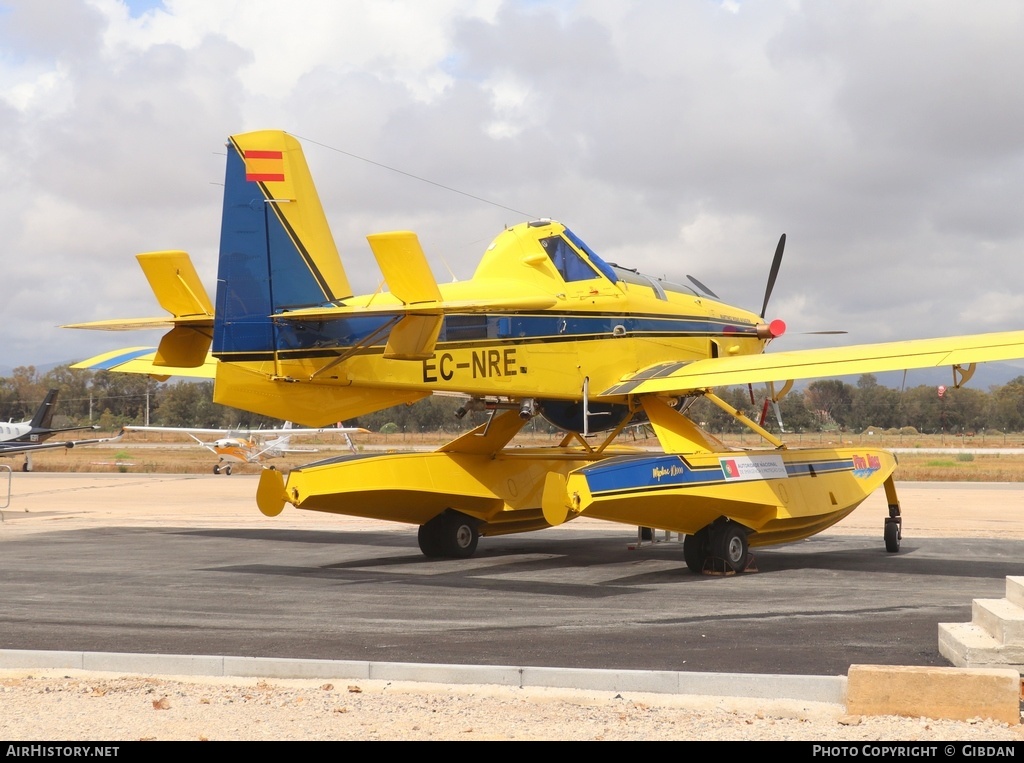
x=40 y=368
x=985 y=376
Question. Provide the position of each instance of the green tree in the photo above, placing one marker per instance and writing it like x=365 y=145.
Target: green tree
x=1006 y=406
x=830 y=400
x=873 y=405
x=796 y=416
x=22 y=393
x=966 y=409
x=73 y=400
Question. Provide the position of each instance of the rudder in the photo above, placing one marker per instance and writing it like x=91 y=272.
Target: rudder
x=276 y=249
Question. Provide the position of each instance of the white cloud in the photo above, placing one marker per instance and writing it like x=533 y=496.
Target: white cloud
x=677 y=137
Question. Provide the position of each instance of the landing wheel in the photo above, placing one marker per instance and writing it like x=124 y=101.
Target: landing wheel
x=729 y=543
x=227 y=470
x=452 y=535
x=25 y=467
x=216 y=468
x=461 y=538
x=429 y=544
x=892 y=537
x=695 y=551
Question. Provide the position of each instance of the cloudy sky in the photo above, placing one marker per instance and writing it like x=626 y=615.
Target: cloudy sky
x=885 y=138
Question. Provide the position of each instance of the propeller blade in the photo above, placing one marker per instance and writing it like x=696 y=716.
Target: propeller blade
x=773 y=273
x=823 y=332
x=702 y=287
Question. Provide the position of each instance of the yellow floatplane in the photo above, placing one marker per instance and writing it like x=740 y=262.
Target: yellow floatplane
x=545 y=327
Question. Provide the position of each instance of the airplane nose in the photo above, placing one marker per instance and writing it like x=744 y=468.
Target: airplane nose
x=772 y=330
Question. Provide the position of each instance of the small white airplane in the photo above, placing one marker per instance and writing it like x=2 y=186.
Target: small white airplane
x=27 y=436
x=251 y=447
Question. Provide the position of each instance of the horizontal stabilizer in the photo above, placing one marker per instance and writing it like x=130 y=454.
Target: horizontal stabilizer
x=531 y=303
x=124 y=324
x=141 y=360
x=422 y=306
x=177 y=288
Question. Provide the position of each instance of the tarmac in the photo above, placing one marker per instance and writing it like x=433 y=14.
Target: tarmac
x=94 y=561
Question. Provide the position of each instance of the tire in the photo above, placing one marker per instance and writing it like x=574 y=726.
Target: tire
x=892 y=537
x=216 y=468
x=695 y=551
x=427 y=538
x=450 y=535
x=227 y=470
x=729 y=543
x=459 y=537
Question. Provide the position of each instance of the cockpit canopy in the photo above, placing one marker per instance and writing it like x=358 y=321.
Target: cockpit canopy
x=571 y=258
x=573 y=267
x=660 y=286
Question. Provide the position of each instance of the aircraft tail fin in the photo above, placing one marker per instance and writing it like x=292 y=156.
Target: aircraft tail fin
x=44 y=413
x=276 y=248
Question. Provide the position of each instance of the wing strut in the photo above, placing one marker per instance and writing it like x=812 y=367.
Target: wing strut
x=745 y=420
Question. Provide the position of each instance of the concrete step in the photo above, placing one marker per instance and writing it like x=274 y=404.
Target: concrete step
x=968 y=645
x=1015 y=590
x=1002 y=619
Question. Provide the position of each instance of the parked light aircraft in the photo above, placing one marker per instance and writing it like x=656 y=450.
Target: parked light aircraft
x=236 y=446
x=544 y=327
x=28 y=436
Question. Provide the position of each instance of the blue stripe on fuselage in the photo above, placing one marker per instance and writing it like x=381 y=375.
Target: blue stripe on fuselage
x=651 y=472
x=627 y=473
x=295 y=336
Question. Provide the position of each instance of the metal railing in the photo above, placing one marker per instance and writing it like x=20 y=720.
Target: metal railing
x=7 y=502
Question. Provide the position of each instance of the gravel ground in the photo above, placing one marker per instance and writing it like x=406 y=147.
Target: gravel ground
x=81 y=706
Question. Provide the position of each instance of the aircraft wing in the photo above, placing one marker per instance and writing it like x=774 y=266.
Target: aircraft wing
x=280 y=447
x=182 y=430
x=323 y=430
x=140 y=360
x=246 y=432
x=13 y=448
x=679 y=378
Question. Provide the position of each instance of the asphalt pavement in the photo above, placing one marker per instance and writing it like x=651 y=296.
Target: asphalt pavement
x=578 y=596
